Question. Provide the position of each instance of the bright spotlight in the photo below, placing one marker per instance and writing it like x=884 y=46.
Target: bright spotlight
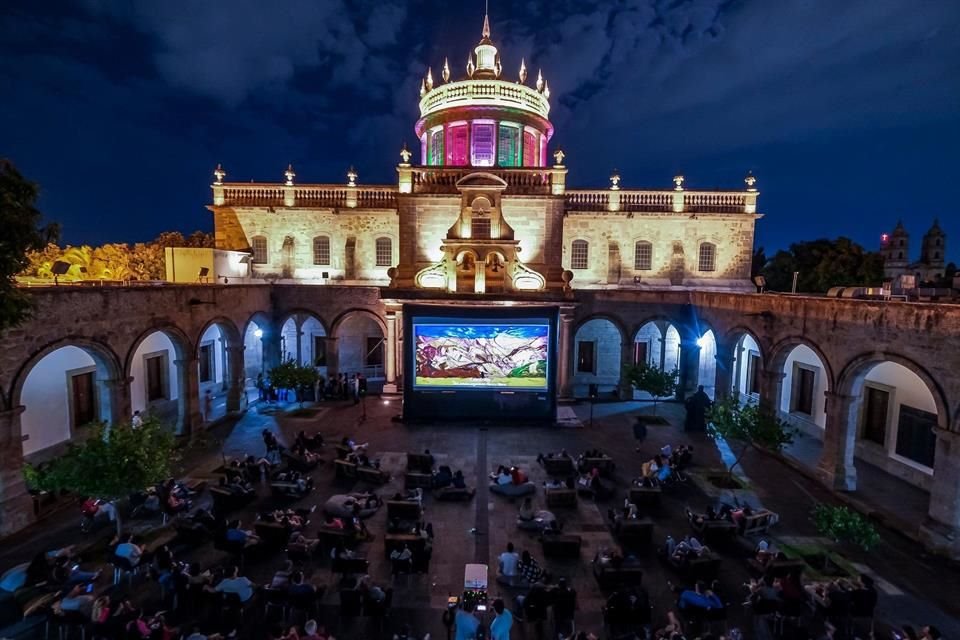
x=701 y=341
x=259 y=333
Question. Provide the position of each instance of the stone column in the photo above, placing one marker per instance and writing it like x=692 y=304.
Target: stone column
x=234 y=378
x=270 y=350
x=224 y=365
x=188 y=414
x=941 y=530
x=115 y=398
x=770 y=388
x=724 y=373
x=16 y=510
x=564 y=356
x=624 y=388
x=836 y=468
x=391 y=354
x=689 y=365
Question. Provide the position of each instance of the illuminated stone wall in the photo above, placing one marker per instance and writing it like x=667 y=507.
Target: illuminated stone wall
x=675 y=241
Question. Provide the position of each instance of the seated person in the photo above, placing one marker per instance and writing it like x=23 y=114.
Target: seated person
x=518 y=476
x=341 y=552
x=608 y=558
x=311 y=443
x=129 y=549
x=502 y=476
x=682 y=456
x=508 y=566
x=298 y=586
x=402 y=560
x=77 y=599
x=529 y=569
x=459 y=482
x=301 y=451
x=281 y=579
x=302 y=483
x=352 y=446
x=651 y=468
x=237 y=535
x=443 y=477
x=410 y=495
x=66 y=571
x=236 y=484
x=700 y=598
x=531 y=520
x=563 y=454
x=765 y=553
x=682 y=552
x=333 y=523
x=234 y=583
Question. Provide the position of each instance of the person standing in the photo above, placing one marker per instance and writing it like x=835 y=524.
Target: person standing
x=697 y=406
x=500 y=627
x=466 y=623
x=137 y=420
x=207 y=406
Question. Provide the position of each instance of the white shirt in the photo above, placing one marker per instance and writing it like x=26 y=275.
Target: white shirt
x=508 y=563
x=136 y=421
x=240 y=586
x=129 y=551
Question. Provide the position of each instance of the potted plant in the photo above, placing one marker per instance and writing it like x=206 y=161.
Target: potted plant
x=652 y=380
x=844 y=525
x=746 y=427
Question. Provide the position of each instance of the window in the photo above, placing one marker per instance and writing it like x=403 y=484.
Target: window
x=578 y=254
x=321 y=250
x=915 y=435
x=640 y=350
x=508 y=146
x=155 y=369
x=586 y=357
x=530 y=148
x=206 y=363
x=480 y=228
x=259 y=246
x=643 y=256
x=436 y=147
x=374 y=357
x=384 y=252
x=804 y=380
x=482 y=152
x=876 y=402
x=753 y=374
x=83 y=403
x=708 y=257
x=319 y=351
x=457 y=145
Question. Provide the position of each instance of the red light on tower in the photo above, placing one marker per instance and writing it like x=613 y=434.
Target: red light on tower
x=884 y=238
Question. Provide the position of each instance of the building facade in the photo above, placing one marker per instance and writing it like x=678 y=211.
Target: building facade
x=487 y=209
x=895 y=249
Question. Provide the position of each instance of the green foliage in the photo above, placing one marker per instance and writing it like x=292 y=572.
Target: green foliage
x=20 y=232
x=112 y=463
x=654 y=380
x=823 y=264
x=748 y=425
x=845 y=525
x=290 y=375
x=111 y=261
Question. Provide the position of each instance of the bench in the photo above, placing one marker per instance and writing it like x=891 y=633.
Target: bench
x=561 y=497
x=777 y=568
x=347 y=566
x=604 y=464
x=225 y=501
x=758 y=523
x=396 y=541
x=272 y=534
x=290 y=490
x=331 y=538
x=559 y=467
x=646 y=496
x=420 y=463
x=454 y=493
x=635 y=533
x=297 y=463
x=406 y=510
x=372 y=475
x=715 y=531
x=417 y=480
x=704 y=567
x=561 y=545
x=345 y=468
x=610 y=578
x=342 y=452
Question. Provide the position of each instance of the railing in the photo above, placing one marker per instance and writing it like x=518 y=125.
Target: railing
x=532 y=181
x=658 y=201
x=484 y=92
x=308 y=195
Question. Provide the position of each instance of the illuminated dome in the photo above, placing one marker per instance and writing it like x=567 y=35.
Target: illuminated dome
x=484 y=120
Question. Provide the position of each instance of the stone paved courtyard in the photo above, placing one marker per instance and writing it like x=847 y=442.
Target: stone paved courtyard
x=914 y=589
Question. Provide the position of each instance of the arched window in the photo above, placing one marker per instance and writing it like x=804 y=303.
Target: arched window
x=321 y=250
x=384 y=252
x=936 y=255
x=643 y=256
x=579 y=252
x=708 y=257
x=259 y=246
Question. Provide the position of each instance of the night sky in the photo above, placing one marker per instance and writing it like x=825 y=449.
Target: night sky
x=848 y=111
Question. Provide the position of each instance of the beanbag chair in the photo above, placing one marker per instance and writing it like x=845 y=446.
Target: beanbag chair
x=513 y=490
x=341 y=506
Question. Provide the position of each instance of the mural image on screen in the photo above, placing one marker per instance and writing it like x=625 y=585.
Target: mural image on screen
x=476 y=355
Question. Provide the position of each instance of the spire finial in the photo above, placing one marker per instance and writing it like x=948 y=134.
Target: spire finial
x=219 y=173
x=429 y=79
x=289 y=175
x=539 y=80
x=523 y=71
x=486 y=19
x=446 y=70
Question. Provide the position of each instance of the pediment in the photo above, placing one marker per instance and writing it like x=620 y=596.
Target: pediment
x=481 y=180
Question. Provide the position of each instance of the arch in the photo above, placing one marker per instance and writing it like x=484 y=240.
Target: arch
x=597 y=354
x=615 y=320
x=780 y=352
x=707 y=365
x=303 y=311
x=650 y=333
x=227 y=326
x=340 y=319
x=298 y=332
x=68 y=371
x=360 y=335
x=181 y=343
x=253 y=345
x=746 y=362
x=157 y=382
x=580 y=254
x=736 y=334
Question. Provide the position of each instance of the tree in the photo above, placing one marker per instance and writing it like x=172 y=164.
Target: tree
x=654 y=380
x=748 y=425
x=290 y=375
x=822 y=264
x=842 y=524
x=20 y=232
x=112 y=463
